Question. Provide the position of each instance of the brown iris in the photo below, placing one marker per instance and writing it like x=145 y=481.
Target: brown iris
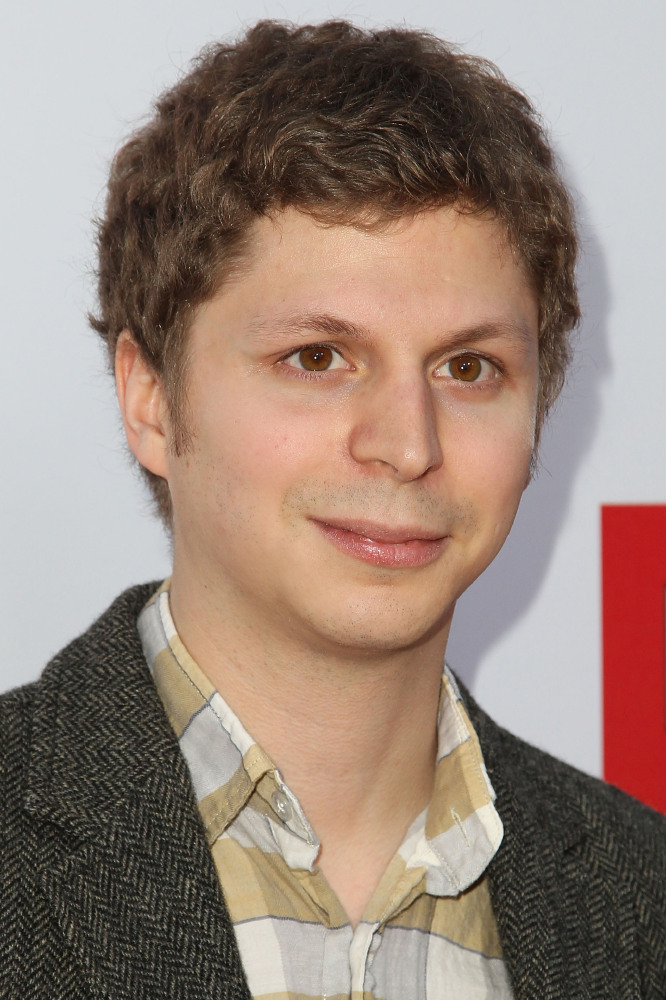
x=467 y=367
x=316 y=359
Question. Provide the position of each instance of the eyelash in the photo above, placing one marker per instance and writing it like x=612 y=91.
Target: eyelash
x=304 y=373
x=483 y=358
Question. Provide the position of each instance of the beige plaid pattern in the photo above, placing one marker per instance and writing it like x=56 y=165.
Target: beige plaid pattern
x=428 y=933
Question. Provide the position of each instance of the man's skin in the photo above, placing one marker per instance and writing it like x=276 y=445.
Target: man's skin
x=326 y=520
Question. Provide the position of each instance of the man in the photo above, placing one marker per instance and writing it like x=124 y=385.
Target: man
x=336 y=282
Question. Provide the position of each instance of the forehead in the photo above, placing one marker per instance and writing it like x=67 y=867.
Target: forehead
x=441 y=267
x=296 y=234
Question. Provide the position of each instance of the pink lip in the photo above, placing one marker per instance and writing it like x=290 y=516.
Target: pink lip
x=398 y=547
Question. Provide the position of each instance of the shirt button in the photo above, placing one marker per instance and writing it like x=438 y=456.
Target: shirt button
x=282 y=806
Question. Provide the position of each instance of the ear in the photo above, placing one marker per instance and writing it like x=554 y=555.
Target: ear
x=143 y=406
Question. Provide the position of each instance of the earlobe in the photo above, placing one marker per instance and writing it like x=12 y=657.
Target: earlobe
x=142 y=404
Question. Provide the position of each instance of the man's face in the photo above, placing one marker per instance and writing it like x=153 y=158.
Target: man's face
x=362 y=412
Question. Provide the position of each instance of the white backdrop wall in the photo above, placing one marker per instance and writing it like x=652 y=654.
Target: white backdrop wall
x=75 y=524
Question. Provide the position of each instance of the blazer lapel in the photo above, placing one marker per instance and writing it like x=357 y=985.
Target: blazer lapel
x=565 y=916
x=127 y=872
x=140 y=907
x=566 y=925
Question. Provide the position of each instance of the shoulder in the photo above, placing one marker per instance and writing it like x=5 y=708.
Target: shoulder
x=84 y=751
x=562 y=821
x=108 y=635
x=580 y=877
x=111 y=640
x=551 y=785
x=85 y=722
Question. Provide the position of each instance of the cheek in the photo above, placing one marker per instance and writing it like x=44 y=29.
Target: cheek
x=492 y=447
x=251 y=454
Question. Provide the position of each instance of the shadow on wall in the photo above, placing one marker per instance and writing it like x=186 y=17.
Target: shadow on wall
x=505 y=592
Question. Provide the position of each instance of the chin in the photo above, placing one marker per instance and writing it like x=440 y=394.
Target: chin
x=392 y=631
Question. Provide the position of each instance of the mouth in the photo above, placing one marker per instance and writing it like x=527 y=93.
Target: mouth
x=392 y=546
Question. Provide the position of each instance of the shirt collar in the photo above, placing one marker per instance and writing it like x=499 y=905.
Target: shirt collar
x=453 y=841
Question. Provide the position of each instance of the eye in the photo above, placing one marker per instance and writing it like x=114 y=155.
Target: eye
x=315 y=358
x=468 y=368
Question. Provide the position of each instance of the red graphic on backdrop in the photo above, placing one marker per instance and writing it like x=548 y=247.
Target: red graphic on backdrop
x=634 y=633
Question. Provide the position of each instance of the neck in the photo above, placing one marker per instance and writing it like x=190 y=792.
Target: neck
x=353 y=732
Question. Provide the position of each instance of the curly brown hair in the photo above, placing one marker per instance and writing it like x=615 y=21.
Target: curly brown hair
x=352 y=126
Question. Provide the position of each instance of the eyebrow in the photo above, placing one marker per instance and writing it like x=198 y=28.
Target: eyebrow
x=322 y=323
x=518 y=332
x=329 y=326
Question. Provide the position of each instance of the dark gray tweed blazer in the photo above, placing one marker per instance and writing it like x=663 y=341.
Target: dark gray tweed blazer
x=107 y=887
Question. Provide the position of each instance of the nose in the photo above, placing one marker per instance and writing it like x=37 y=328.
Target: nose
x=395 y=426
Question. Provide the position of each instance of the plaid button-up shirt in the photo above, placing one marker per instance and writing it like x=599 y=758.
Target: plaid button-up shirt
x=428 y=932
